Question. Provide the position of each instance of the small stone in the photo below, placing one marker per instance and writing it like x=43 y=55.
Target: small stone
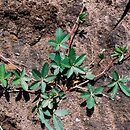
x=77 y=120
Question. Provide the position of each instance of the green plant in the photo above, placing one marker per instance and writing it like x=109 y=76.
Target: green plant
x=90 y=95
x=119 y=83
x=65 y=67
x=82 y=17
x=119 y=52
x=21 y=79
x=60 y=39
x=4 y=76
x=42 y=78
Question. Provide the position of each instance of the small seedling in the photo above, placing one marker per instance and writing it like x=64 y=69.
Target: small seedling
x=119 y=83
x=4 y=76
x=60 y=40
x=119 y=52
x=91 y=95
x=82 y=17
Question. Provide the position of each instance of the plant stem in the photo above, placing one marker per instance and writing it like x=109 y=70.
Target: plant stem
x=74 y=28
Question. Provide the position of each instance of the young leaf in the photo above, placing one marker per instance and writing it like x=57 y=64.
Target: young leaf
x=125 y=89
x=4 y=83
x=72 y=56
x=115 y=75
x=52 y=43
x=35 y=85
x=78 y=70
x=2 y=70
x=80 y=60
x=43 y=120
x=45 y=70
x=50 y=78
x=36 y=74
x=90 y=103
x=65 y=46
x=61 y=112
x=98 y=90
x=85 y=95
x=114 y=91
x=57 y=123
x=52 y=56
x=70 y=72
x=43 y=85
x=65 y=63
x=89 y=76
x=24 y=85
x=90 y=87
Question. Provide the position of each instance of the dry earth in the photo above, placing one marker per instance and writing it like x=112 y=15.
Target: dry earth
x=25 y=28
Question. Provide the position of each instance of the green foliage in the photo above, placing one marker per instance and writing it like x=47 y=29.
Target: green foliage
x=82 y=17
x=60 y=39
x=91 y=95
x=119 y=52
x=42 y=78
x=4 y=76
x=101 y=56
x=65 y=67
x=118 y=83
x=21 y=79
x=47 y=108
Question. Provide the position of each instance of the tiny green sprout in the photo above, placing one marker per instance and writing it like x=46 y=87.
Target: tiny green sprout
x=4 y=76
x=119 y=52
x=91 y=95
x=119 y=83
x=60 y=40
x=101 y=56
x=21 y=78
x=82 y=17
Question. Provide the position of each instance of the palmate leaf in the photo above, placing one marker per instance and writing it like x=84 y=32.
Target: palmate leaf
x=45 y=70
x=80 y=60
x=57 y=123
x=124 y=89
x=61 y=112
x=90 y=103
x=61 y=37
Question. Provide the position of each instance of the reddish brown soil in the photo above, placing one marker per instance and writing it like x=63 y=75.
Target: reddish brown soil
x=26 y=27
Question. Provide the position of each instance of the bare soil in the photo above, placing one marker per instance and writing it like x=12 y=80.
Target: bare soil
x=26 y=27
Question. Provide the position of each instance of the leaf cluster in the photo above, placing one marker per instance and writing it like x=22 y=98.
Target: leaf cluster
x=119 y=52
x=119 y=83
